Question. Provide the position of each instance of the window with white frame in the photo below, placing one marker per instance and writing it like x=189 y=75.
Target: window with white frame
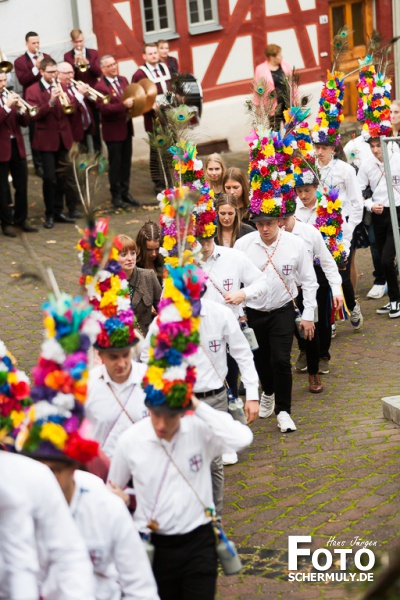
x=203 y=15
x=158 y=19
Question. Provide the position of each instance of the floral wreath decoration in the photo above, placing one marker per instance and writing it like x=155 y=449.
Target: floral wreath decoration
x=53 y=427
x=15 y=395
x=106 y=286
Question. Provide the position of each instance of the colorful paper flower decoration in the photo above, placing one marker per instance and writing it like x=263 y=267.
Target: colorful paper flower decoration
x=15 y=393
x=171 y=375
x=271 y=173
x=177 y=226
x=374 y=103
x=329 y=222
x=330 y=115
x=106 y=287
x=51 y=428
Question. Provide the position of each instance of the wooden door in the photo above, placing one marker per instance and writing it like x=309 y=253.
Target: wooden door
x=357 y=15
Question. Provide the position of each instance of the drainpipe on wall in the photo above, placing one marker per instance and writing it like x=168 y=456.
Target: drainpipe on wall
x=75 y=14
x=396 y=47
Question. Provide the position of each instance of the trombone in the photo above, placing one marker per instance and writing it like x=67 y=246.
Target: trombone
x=66 y=105
x=33 y=110
x=94 y=94
x=5 y=65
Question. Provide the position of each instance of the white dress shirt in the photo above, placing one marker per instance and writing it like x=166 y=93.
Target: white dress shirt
x=120 y=564
x=304 y=214
x=318 y=249
x=342 y=176
x=294 y=263
x=372 y=172
x=218 y=327
x=61 y=550
x=19 y=565
x=227 y=269
x=161 y=491
x=103 y=410
x=35 y=70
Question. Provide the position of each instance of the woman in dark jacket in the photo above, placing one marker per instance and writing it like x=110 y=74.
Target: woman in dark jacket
x=230 y=227
x=144 y=289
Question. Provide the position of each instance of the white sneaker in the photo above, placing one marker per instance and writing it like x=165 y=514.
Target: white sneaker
x=377 y=291
x=267 y=405
x=333 y=326
x=285 y=422
x=230 y=458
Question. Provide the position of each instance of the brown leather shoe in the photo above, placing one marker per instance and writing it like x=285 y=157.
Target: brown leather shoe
x=314 y=384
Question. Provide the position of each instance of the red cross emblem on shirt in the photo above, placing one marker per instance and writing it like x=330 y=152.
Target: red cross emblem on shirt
x=214 y=345
x=287 y=269
x=196 y=462
x=228 y=284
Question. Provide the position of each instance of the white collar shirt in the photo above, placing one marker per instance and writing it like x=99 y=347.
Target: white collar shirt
x=372 y=172
x=227 y=270
x=314 y=241
x=104 y=411
x=342 y=176
x=304 y=214
x=285 y=263
x=46 y=85
x=218 y=327
x=162 y=493
x=120 y=564
x=35 y=70
x=61 y=550
x=115 y=84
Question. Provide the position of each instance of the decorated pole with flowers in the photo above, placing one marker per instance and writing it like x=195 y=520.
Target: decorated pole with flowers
x=374 y=103
x=330 y=114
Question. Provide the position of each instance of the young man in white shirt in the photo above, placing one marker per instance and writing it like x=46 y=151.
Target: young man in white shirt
x=286 y=262
x=120 y=564
x=115 y=396
x=372 y=173
x=168 y=457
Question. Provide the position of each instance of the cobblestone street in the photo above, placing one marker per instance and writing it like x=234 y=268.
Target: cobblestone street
x=338 y=475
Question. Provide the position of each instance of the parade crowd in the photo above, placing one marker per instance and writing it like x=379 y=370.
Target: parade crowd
x=112 y=459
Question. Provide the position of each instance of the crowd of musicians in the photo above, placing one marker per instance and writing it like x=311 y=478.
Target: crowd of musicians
x=79 y=100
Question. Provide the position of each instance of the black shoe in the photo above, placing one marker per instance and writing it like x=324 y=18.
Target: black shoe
x=49 y=223
x=130 y=200
x=28 y=228
x=39 y=172
x=63 y=219
x=75 y=214
x=118 y=203
x=8 y=232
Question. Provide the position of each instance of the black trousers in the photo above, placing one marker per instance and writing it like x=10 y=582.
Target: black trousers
x=347 y=286
x=57 y=180
x=185 y=566
x=119 y=169
x=233 y=374
x=36 y=154
x=385 y=243
x=18 y=168
x=320 y=345
x=274 y=332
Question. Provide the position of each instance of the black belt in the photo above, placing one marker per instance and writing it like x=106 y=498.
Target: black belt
x=210 y=393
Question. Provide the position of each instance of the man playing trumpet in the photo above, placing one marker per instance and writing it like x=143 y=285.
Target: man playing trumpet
x=53 y=138
x=86 y=65
x=13 y=114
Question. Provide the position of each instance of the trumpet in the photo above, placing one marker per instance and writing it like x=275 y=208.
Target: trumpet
x=80 y=64
x=33 y=110
x=94 y=94
x=65 y=102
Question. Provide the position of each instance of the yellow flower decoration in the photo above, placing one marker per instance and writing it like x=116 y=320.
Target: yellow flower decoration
x=255 y=185
x=268 y=205
x=169 y=242
x=50 y=326
x=154 y=375
x=55 y=434
x=268 y=150
x=12 y=378
x=17 y=416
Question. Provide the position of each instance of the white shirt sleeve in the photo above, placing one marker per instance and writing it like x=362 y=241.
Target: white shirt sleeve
x=17 y=545
x=363 y=182
x=328 y=265
x=240 y=350
x=308 y=281
x=357 y=206
x=227 y=433
x=255 y=282
x=119 y=473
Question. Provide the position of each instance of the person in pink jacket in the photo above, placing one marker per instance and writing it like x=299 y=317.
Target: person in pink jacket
x=273 y=70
